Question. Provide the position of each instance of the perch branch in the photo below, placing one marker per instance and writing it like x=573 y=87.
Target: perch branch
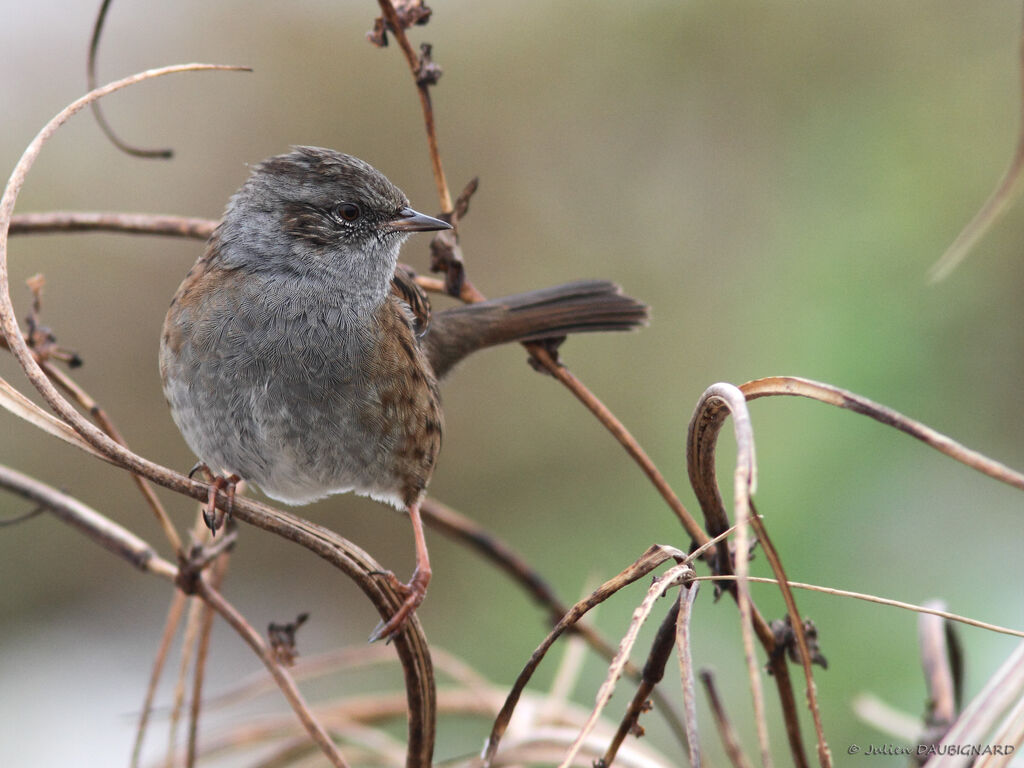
x=410 y=645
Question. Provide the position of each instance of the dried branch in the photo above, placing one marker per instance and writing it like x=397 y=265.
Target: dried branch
x=806 y=656
x=284 y=681
x=841 y=398
x=174 y=612
x=730 y=741
x=683 y=642
x=58 y=222
x=217 y=573
x=189 y=646
x=702 y=437
x=647 y=562
x=663 y=643
x=100 y=529
x=417 y=68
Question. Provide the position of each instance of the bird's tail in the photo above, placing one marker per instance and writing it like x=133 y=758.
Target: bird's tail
x=580 y=307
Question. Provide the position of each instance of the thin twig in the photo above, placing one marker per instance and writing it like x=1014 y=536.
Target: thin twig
x=83 y=398
x=189 y=646
x=684 y=644
x=423 y=88
x=824 y=755
x=178 y=600
x=730 y=741
x=100 y=529
x=284 y=680
x=998 y=202
x=217 y=573
x=875 y=599
x=94 y=45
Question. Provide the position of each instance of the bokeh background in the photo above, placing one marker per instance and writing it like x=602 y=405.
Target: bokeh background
x=774 y=179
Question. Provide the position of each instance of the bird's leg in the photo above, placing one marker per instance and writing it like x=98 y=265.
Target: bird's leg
x=416 y=589
x=211 y=515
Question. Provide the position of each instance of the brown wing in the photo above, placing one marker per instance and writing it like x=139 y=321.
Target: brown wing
x=403 y=285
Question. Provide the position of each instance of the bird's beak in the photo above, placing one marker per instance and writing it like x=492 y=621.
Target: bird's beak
x=409 y=220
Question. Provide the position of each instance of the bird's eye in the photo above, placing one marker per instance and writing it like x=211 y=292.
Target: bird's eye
x=347 y=211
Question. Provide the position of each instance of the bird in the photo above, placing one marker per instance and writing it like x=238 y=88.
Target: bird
x=297 y=355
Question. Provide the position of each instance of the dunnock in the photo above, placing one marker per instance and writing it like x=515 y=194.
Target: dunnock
x=293 y=356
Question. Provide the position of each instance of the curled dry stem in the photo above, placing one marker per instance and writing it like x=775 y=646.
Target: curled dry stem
x=942 y=664
x=702 y=439
x=717 y=402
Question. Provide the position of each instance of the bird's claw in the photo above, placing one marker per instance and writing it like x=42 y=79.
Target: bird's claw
x=412 y=595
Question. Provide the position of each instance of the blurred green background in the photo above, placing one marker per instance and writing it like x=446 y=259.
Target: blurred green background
x=774 y=179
